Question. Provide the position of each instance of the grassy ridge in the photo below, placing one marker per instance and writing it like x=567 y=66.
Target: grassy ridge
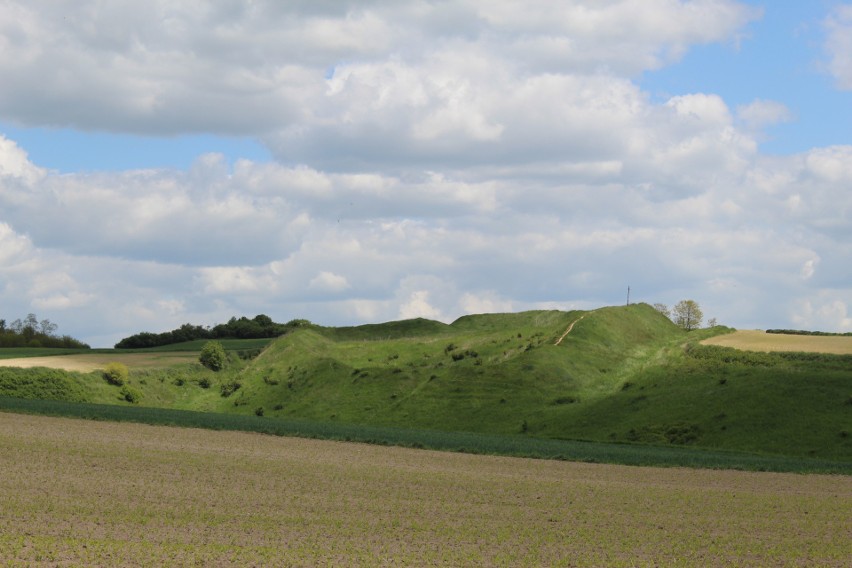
x=51 y=384
x=786 y=403
x=488 y=373
x=622 y=375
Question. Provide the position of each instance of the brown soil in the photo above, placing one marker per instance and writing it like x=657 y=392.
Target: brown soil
x=78 y=493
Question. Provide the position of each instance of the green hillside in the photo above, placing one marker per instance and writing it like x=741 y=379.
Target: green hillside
x=622 y=374
x=487 y=373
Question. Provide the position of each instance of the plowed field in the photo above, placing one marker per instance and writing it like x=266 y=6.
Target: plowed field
x=76 y=492
x=756 y=340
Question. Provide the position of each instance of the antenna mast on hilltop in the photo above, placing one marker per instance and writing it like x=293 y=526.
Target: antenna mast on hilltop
x=628 y=295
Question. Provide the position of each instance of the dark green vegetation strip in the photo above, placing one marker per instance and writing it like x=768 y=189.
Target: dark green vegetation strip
x=187 y=346
x=517 y=446
x=196 y=345
x=21 y=352
x=803 y=332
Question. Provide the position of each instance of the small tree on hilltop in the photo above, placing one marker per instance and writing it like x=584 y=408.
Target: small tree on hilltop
x=663 y=309
x=213 y=356
x=687 y=315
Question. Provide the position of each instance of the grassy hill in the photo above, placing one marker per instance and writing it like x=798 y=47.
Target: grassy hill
x=487 y=373
x=622 y=374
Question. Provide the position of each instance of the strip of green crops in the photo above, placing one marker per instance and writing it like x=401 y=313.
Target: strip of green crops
x=520 y=446
x=20 y=352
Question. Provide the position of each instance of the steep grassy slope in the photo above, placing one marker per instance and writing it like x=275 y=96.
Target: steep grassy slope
x=495 y=372
x=792 y=404
x=622 y=374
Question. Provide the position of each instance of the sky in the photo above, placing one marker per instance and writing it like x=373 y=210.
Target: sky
x=173 y=162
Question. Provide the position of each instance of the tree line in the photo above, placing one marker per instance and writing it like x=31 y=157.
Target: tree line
x=259 y=327
x=30 y=332
x=805 y=332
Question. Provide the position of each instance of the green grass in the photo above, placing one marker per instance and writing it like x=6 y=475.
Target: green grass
x=623 y=375
x=785 y=403
x=21 y=352
x=487 y=373
x=41 y=383
x=467 y=442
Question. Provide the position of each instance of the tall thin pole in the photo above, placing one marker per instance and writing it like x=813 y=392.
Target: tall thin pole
x=628 y=295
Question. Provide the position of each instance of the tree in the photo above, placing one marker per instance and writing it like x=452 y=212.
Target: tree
x=687 y=315
x=213 y=356
x=663 y=309
x=47 y=327
x=30 y=326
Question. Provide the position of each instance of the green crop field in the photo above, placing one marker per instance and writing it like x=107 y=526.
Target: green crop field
x=24 y=352
x=94 y=493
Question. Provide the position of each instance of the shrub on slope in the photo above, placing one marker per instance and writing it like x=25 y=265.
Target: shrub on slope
x=41 y=383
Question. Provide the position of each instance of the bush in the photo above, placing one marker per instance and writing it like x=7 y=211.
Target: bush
x=213 y=356
x=116 y=373
x=227 y=389
x=565 y=400
x=130 y=395
x=204 y=382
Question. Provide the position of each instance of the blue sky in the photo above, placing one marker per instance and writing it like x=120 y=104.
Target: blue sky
x=67 y=151
x=171 y=162
x=779 y=57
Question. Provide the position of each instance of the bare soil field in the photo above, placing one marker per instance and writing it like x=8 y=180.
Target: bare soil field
x=77 y=492
x=757 y=340
x=93 y=361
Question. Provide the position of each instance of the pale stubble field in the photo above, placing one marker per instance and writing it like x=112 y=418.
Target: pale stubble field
x=79 y=493
x=757 y=340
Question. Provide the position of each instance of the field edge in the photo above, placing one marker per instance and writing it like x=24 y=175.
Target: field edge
x=463 y=442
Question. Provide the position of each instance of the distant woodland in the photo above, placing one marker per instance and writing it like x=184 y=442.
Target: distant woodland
x=261 y=326
x=30 y=332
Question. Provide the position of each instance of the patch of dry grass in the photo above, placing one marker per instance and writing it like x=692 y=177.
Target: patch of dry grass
x=93 y=361
x=757 y=340
x=95 y=493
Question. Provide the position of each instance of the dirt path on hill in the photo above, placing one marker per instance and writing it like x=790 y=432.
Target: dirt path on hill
x=570 y=327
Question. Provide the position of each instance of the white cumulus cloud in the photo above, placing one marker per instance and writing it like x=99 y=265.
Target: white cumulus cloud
x=838 y=45
x=430 y=159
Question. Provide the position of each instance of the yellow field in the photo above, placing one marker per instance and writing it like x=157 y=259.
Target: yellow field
x=757 y=340
x=80 y=493
x=93 y=361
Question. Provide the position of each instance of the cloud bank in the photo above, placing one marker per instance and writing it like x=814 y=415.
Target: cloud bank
x=431 y=159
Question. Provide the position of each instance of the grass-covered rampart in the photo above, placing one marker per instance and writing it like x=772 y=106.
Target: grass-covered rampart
x=623 y=375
